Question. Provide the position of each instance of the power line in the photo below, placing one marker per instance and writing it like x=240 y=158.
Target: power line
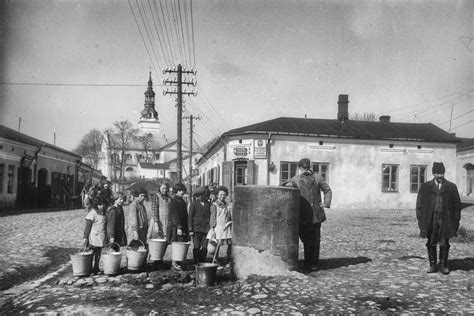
x=192 y=29
x=143 y=38
x=166 y=30
x=462 y=92
x=463 y=124
x=145 y=23
x=430 y=107
x=72 y=84
x=456 y=117
x=158 y=33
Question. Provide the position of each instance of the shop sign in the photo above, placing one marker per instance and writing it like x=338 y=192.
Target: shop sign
x=260 y=149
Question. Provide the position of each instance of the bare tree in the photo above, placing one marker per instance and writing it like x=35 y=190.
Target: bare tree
x=121 y=137
x=147 y=141
x=366 y=116
x=90 y=146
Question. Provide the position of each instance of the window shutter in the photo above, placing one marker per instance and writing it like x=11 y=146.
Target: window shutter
x=227 y=174
x=251 y=172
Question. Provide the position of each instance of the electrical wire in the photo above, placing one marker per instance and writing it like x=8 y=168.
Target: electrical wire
x=143 y=38
x=72 y=84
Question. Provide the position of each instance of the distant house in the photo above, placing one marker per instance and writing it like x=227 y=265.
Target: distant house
x=367 y=164
x=34 y=173
x=465 y=168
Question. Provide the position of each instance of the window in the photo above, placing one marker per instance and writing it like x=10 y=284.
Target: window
x=240 y=173
x=389 y=178
x=11 y=170
x=1 y=177
x=417 y=177
x=287 y=170
x=322 y=168
x=129 y=169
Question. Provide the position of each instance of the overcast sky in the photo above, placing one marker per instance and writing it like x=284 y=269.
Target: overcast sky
x=70 y=66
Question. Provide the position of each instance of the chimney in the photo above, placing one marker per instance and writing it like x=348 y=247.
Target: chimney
x=343 y=107
x=384 y=118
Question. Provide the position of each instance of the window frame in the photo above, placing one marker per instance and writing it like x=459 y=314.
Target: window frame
x=324 y=174
x=289 y=170
x=418 y=175
x=390 y=174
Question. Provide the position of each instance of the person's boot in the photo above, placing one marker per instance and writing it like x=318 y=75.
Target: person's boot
x=203 y=254
x=308 y=257
x=315 y=259
x=432 y=259
x=196 y=256
x=443 y=260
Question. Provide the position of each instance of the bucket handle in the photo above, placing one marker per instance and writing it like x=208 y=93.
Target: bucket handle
x=109 y=244
x=83 y=248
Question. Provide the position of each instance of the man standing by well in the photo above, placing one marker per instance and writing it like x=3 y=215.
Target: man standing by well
x=311 y=210
x=438 y=210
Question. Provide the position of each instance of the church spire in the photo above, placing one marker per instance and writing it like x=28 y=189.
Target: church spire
x=149 y=121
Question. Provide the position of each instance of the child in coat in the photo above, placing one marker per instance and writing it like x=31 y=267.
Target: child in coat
x=94 y=231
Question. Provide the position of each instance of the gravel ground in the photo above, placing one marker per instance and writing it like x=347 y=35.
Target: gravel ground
x=372 y=262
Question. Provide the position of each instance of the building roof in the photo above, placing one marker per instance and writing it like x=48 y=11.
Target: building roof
x=425 y=132
x=351 y=129
x=11 y=134
x=465 y=144
x=150 y=165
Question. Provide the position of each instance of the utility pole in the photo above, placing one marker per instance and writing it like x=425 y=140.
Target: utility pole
x=191 y=118
x=179 y=92
x=19 y=123
x=451 y=118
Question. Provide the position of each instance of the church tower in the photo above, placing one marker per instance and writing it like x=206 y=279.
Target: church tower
x=149 y=122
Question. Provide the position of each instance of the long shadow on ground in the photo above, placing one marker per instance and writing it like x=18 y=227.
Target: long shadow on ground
x=334 y=263
x=466 y=264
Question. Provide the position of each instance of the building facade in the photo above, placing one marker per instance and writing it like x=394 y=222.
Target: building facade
x=367 y=164
x=34 y=173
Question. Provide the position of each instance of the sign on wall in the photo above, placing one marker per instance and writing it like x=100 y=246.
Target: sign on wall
x=240 y=150
x=260 y=149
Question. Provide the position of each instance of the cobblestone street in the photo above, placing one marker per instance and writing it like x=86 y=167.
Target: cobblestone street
x=372 y=261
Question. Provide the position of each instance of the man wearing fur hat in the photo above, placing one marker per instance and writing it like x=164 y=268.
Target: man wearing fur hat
x=438 y=210
x=311 y=210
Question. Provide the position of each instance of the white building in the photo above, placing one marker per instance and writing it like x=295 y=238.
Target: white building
x=367 y=164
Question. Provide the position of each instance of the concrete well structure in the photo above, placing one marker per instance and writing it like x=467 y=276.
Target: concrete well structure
x=265 y=230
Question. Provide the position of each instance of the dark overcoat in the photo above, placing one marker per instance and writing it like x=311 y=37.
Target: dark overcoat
x=311 y=185
x=198 y=219
x=116 y=225
x=451 y=209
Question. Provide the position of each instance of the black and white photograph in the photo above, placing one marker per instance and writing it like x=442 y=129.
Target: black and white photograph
x=236 y=157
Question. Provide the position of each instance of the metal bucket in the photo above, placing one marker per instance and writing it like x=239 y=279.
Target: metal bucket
x=136 y=259
x=206 y=274
x=81 y=263
x=157 y=248
x=179 y=250
x=111 y=260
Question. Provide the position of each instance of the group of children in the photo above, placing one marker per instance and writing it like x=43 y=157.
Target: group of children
x=206 y=220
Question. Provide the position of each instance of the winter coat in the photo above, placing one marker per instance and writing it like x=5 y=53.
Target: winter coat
x=178 y=219
x=450 y=212
x=116 y=225
x=138 y=220
x=310 y=185
x=199 y=214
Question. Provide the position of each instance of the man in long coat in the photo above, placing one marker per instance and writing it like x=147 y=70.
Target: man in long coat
x=438 y=210
x=311 y=210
